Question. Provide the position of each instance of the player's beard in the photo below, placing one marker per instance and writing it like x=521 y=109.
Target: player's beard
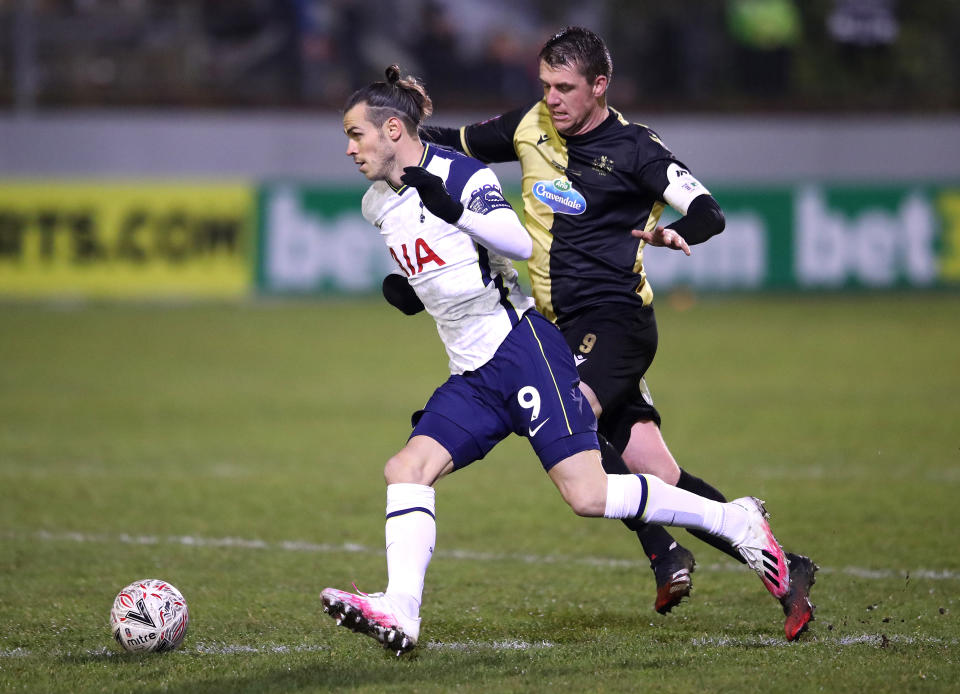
x=387 y=164
x=382 y=164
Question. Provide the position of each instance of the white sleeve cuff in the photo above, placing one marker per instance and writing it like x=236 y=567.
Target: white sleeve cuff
x=682 y=188
x=499 y=230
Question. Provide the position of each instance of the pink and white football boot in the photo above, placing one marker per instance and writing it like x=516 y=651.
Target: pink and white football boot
x=760 y=548
x=374 y=615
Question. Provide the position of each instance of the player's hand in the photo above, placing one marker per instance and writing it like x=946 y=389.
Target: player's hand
x=662 y=236
x=433 y=193
x=397 y=290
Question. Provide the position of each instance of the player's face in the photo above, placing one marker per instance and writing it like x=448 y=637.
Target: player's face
x=575 y=105
x=367 y=144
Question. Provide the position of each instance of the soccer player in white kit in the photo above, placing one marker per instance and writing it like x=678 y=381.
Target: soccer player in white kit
x=446 y=224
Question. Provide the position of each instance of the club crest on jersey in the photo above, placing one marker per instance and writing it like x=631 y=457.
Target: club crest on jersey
x=560 y=196
x=602 y=165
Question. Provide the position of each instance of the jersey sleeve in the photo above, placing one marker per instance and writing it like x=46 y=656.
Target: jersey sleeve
x=489 y=141
x=445 y=137
x=660 y=172
x=490 y=220
x=492 y=140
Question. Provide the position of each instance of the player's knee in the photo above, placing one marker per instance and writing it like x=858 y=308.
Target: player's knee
x=583 y=502
x=582 y=483
x=404 y=468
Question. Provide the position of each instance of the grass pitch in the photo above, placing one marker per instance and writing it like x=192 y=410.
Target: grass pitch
x=237 y=452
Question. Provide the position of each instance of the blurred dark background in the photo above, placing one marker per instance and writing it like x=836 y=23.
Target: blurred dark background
x=682 y=55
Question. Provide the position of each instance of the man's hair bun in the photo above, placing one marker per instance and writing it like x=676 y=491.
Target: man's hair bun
x=405 y=98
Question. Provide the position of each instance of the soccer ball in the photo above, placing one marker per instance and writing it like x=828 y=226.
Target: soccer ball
x=149 y=616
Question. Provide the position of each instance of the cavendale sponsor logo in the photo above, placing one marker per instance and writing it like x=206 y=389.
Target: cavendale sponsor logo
x=119 y=239
x=560 y=196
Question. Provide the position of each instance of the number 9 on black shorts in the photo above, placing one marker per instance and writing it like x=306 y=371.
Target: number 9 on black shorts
x=613 y=346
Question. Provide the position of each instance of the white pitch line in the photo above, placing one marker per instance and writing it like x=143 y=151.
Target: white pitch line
x=15 y=653
x=458 y=554
x=201 y=648
x=875 y=640
x=473 y=646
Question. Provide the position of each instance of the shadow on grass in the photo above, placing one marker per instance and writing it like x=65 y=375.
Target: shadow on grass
x=381 y=672
x=105 y=655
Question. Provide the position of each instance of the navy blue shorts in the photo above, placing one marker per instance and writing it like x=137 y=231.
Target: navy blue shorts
x=529 y=388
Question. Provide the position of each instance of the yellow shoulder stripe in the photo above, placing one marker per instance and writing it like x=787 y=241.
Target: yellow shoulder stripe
x=463 y=142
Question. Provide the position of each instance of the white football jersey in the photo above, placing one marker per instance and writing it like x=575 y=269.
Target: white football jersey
x=471 y=292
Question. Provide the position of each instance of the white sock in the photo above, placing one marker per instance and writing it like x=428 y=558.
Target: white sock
x=624 y=496
x=411 y=533
x=669 y=505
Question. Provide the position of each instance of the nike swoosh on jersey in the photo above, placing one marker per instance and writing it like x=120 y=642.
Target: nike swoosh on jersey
x=533 y=432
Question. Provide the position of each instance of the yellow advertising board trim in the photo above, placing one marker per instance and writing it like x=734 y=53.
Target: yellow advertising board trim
x=118 y=239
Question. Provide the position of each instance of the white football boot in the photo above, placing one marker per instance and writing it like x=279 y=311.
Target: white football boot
x=760 y=548
x=374 y=615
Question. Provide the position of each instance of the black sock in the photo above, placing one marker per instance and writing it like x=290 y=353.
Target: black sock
x=654 y=539
x=611 y=459
x=696 y=485
x=699 y=487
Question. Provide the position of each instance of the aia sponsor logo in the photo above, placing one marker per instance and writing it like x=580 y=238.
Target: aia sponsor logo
x=414 y=259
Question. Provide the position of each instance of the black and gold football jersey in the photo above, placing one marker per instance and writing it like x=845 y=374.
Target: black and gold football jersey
x=582 y=196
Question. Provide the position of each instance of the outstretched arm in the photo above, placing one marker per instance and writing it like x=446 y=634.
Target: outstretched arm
x=703 y=219
x=490 y=140
x=445 y=137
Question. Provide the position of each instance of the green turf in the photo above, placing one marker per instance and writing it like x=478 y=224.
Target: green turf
x=237 y=452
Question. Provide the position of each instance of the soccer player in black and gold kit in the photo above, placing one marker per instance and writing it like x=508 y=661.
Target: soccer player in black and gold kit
x=594 y=186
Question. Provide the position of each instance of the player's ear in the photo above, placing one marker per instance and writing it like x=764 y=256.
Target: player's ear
x=393 y=128
x=600 y=86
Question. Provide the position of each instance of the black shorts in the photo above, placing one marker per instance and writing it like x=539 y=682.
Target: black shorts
x=614 y=345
